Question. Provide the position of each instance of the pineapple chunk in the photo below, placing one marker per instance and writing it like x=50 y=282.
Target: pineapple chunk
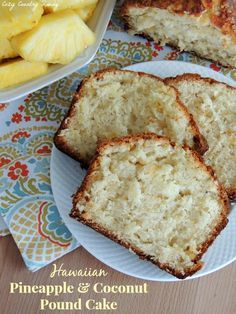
x=6 y=50
x=58 y=5
x=58 y=38
x=86 y=12
x=15 y=18
x=19 y=71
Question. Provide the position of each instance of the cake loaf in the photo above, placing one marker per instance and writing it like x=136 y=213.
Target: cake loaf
x=205 y=27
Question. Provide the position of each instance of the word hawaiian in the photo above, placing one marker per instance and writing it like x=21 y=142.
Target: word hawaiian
x=87 y=272
x=82 y=288
x=91 y=304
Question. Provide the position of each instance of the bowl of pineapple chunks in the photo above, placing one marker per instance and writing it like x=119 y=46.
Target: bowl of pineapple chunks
x=42 y=41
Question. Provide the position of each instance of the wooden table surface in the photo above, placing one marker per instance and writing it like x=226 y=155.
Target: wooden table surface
x=215 y=293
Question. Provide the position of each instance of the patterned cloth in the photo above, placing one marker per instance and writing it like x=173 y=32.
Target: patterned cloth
x=26 y=136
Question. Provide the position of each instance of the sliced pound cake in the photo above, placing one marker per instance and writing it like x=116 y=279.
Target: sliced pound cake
x=213 y=106
x=207 y=28
x=155 y=198
x=114 y=103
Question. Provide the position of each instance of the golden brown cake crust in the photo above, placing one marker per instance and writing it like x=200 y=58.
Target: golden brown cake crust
x=81 y=217
x=196 y=77
x=193 y=7
x=200 y=143
x=222 y=13
x=224 y=16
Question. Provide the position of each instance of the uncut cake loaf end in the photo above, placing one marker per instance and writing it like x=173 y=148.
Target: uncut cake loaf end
x=207 y=28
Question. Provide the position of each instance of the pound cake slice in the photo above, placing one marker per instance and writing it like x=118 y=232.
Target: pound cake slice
x=205 y=27
x=156 y=198
x=114 y=103
x=213 y=106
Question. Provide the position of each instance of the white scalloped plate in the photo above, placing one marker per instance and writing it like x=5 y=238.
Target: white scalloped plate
x=67 y=175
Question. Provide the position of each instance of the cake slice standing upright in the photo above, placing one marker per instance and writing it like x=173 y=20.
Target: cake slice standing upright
x=213 y=106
